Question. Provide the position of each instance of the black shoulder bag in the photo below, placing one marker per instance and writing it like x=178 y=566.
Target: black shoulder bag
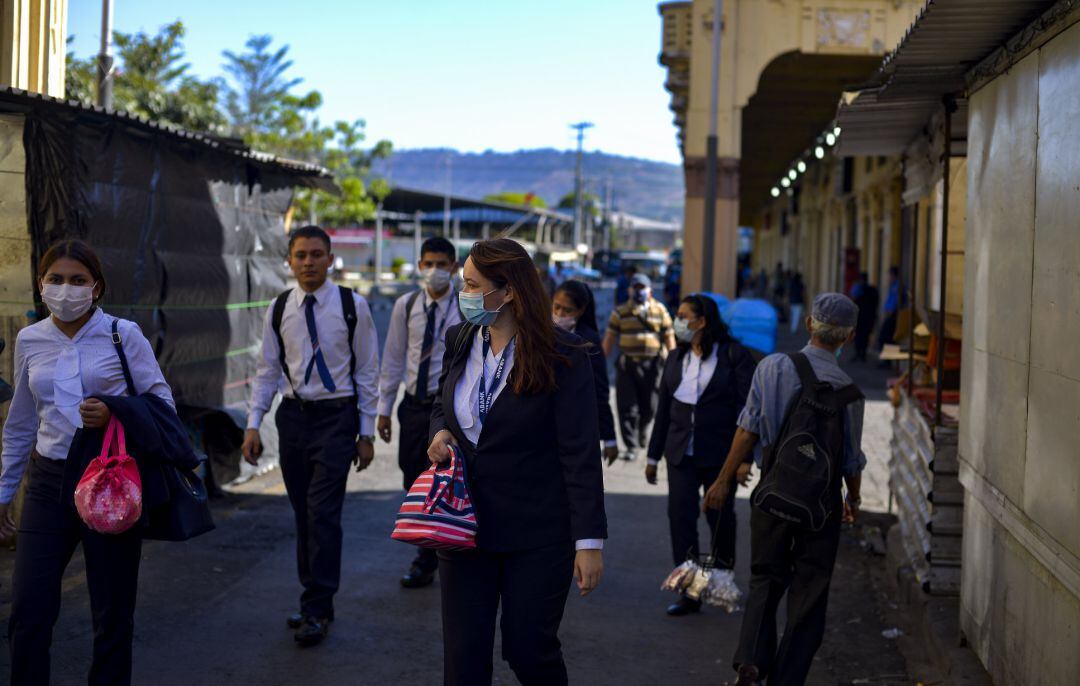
x=186 y=514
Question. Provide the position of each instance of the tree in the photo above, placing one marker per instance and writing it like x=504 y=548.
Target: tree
x=259 y=84
x=80 y=77
x=517 y=198
x=590 y=203
x=153 y=81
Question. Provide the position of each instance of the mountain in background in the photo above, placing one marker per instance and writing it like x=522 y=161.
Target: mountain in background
x=642 y=187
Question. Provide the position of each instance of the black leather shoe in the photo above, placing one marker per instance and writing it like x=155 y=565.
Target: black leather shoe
x=684 y=606
x=295 y=621
x=312 y=632
x=417 y=578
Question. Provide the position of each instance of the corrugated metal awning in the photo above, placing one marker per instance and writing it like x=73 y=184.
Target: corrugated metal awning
x=947 y=39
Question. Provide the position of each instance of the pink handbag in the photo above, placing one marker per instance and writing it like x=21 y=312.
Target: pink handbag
x=109 y=494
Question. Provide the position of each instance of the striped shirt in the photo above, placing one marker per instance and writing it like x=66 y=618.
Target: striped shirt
x=642 y=329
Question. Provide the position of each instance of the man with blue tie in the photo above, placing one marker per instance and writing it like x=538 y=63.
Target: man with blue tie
x=413 y=353
x=320 y=350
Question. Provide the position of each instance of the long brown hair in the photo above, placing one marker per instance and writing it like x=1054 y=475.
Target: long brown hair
x=506 y=264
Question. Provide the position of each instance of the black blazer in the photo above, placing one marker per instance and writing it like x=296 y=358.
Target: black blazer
x=535 y=476
x=713 y=419
x=600 y=380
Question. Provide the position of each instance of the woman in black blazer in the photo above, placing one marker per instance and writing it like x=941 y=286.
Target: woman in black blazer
x=702 y=391
x=517 y=397
x=573 y=309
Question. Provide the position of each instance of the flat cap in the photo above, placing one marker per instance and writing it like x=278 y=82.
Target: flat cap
x=641 y=280
x=835 y=309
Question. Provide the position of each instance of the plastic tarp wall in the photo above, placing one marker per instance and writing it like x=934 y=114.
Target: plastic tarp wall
x=192 y=239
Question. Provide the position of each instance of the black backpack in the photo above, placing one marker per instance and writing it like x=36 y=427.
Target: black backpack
x=348 y=313
x=800 y=480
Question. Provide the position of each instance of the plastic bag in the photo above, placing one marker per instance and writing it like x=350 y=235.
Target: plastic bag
x=716 y=587
x=109 y=494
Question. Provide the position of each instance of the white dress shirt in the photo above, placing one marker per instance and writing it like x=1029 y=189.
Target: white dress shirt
x=54 y=374
x=405 y=341
x=334 y=343
x=696 y=375
x=467 y=400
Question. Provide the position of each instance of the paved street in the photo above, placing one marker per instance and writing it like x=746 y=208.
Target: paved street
x=213 y=609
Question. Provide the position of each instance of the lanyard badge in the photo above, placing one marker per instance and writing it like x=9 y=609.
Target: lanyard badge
x=487 y=397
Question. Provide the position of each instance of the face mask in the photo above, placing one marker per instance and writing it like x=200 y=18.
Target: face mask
x=838 y=351
x=682 y=330
x=436 y=279
x=472 y=308
x=641 y=296
x=67 y=302
x=566 y=323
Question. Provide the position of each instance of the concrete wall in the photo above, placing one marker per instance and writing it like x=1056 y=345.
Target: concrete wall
x=1020 y=413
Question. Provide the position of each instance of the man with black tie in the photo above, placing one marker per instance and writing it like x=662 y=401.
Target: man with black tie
x=320 y=350
x=413 y=353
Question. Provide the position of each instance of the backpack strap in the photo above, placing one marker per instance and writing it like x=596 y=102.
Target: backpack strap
x=806 y=373
x=118 y=343
x=275 y=323
x=410 y=303
x=847 y=395
x=348 y=311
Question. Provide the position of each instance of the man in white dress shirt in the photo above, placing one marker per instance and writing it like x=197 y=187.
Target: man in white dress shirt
x=320 y=350
x=413 y=353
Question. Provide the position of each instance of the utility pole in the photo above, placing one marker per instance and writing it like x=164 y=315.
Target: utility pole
x=417 y=236
x=580 y=127
x=378 y=243
x=446 y=195
x=105 y=57
x=709 y=237
x=457 y=232
x=608 y=215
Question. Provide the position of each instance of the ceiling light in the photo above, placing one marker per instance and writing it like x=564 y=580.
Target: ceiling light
x=830 y=138
x=801 y=166
x=792 y=174
x=775 y=192
x=785 y=182
x=836 y=131
x=819 y=152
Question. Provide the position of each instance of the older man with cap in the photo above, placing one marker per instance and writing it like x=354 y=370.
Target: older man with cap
x=787 y=555
x=642 y=329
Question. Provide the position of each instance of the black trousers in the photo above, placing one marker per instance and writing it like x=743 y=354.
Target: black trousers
x=49 y=532
x=413 y=418
x=635 y=398
x=532 y=586
x=786 y=558
x=318 y=443
x=863 y=329
x=687 y=482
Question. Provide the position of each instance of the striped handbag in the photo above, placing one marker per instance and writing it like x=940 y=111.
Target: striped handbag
x=438 y=512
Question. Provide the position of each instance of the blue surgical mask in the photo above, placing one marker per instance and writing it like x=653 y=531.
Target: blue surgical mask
x=838 y=351
x=682 y=330
x=472 y=308
x=641 y=295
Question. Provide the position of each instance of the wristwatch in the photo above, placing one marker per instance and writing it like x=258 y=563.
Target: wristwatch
x=367 y=439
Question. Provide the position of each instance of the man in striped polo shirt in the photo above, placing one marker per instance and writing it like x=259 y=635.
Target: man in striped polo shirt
x=641 y=327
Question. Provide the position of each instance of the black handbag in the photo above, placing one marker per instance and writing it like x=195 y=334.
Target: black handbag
x=186 y=512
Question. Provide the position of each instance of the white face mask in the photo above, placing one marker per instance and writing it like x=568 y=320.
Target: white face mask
x=67 y=302
x=436 y=279
x=565 y=323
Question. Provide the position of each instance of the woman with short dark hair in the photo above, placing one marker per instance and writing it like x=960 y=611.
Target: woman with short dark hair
x=517 y=398
x=573 y=309
x=64 y=364
x=702 y=390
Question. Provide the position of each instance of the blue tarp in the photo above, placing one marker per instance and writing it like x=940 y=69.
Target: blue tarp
x=752 y=321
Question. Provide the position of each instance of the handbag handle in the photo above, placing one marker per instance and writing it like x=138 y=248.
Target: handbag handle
x=437 y=488
x=114 y=433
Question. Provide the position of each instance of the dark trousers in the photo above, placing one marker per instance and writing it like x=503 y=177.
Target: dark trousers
x=686 y=484
x=532 y=586
x=786 y=558
x=862 y=338
x=635 y=398
x=49 y=531
x=318 y=443
x=413 y=418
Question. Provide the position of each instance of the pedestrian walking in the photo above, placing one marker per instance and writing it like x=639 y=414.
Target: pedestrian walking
x=702 y=391
x=320 y=349
x=66 y=368
x=893 y=302
x=867 y=299
x=573 y=309
x=517 y=398
x=641 y=328
x=413 y=354
x=796 y=300
x=806 y=416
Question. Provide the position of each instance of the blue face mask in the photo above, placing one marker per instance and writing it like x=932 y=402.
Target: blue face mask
x=472 y=308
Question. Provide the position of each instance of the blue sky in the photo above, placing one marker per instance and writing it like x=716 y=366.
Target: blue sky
x=469 y=74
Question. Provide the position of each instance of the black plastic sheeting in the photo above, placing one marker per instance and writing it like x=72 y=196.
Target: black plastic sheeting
x=192 y=240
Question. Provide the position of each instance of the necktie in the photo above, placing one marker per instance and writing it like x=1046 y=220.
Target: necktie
x=317 y=359
x=425 y=354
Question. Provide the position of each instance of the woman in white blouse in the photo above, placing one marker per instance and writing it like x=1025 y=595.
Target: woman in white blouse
x=702 y=390
x=62 y=364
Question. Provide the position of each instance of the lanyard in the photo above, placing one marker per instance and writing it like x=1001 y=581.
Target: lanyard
x=487 y=397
